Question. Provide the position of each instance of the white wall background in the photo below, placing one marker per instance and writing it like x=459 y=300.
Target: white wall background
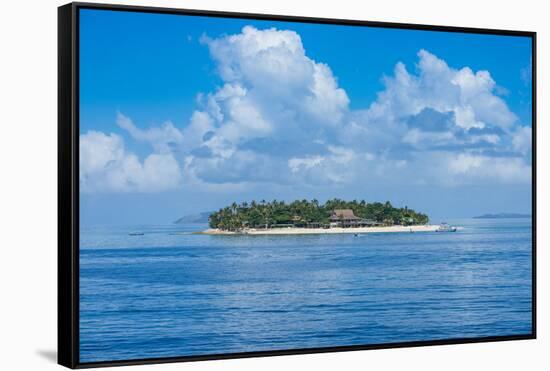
x=28 y=181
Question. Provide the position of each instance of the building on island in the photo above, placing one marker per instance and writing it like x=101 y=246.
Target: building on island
x=345 y=218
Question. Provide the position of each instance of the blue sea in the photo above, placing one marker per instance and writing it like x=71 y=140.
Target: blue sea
x=169 y=292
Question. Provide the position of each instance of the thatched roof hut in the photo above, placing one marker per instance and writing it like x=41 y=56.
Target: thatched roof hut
x=343 y=214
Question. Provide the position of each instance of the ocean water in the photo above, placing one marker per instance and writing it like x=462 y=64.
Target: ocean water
x=172 y=293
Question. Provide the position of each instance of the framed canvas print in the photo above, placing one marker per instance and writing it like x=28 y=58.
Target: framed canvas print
x=237 y=185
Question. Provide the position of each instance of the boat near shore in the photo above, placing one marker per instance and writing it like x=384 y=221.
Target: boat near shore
x=334 y=230
x=444 y=227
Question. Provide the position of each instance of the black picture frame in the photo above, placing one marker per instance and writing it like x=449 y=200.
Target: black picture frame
x=68 y=183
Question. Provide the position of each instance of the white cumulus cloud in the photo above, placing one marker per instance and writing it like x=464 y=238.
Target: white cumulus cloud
x=163 y=139
x=522 y=139
x=106 y=166
x=509 y=170
x=279 y=116
x=470 y=96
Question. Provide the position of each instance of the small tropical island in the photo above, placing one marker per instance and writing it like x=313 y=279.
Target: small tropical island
x=312 y=217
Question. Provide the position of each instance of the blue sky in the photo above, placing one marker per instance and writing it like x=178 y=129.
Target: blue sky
x=182 y=114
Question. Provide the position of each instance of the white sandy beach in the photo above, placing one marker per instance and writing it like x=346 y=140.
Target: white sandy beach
x=291 y=230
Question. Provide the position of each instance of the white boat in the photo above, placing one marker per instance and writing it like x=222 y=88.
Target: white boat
x=444 y=227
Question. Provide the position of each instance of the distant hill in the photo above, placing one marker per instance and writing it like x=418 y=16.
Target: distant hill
x=194 y=218
x=502 y=216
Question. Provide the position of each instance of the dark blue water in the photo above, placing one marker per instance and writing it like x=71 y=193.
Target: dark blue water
x=165 y=294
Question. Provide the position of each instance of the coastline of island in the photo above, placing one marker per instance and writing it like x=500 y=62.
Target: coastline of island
x=333 y=230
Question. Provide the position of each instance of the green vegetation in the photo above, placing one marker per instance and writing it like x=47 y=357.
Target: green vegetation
x=308 y=213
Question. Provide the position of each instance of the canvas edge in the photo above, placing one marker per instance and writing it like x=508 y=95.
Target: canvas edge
x=67 y=242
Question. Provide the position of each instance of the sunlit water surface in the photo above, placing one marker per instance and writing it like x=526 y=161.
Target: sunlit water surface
x=172 y=293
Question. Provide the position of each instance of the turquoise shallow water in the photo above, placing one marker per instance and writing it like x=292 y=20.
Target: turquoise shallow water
x=171 y=293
